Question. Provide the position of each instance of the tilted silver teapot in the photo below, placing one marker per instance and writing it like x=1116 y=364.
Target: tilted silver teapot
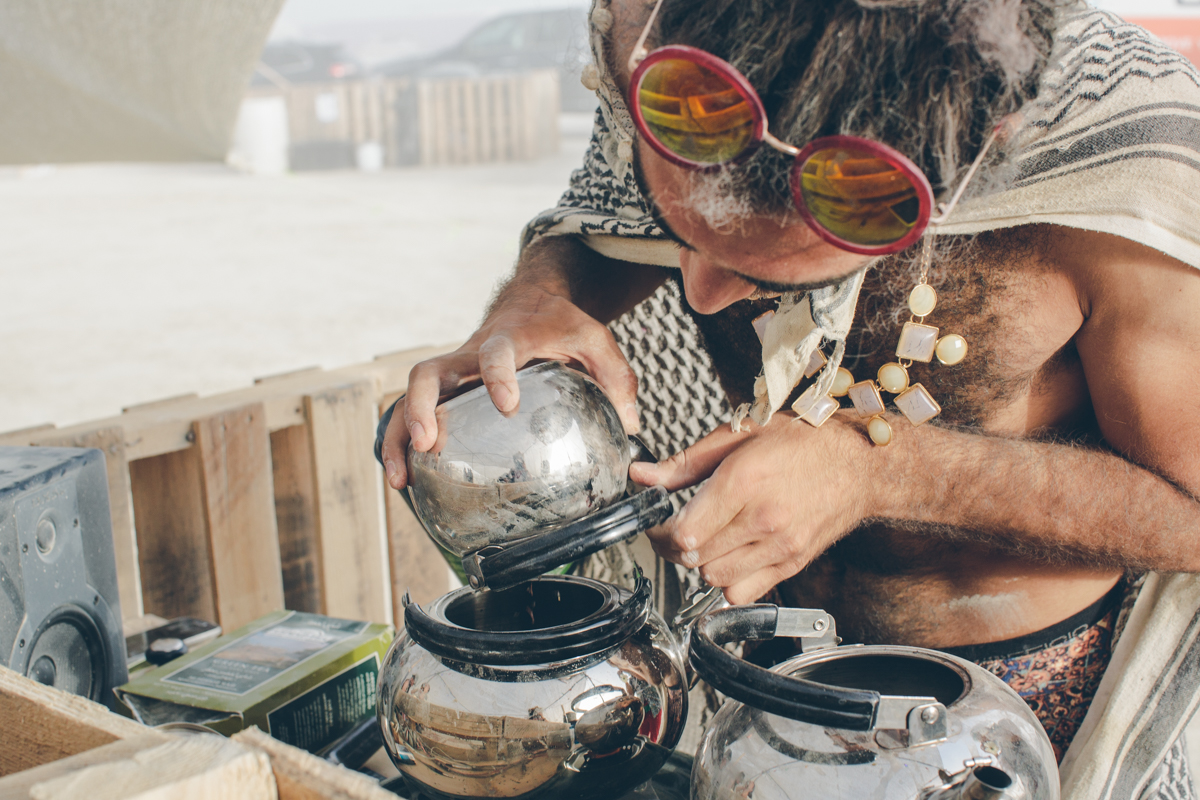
x=519 y=494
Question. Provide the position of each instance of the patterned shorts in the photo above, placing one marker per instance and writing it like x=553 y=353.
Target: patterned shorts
x=1056 y=670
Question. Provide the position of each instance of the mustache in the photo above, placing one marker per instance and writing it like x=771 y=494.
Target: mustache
x=772 y=288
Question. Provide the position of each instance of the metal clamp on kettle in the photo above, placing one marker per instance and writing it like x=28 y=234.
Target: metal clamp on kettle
x=876 y=721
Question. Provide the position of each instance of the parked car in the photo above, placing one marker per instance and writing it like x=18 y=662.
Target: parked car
x=556 y=39
x=304 y=62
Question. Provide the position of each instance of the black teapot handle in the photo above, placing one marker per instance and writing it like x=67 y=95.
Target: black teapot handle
x=783 y=695
x=503 y=567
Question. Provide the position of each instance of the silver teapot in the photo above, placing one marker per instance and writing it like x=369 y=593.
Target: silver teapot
x=525 y=684
x=885 y=722
x=560 y=687
x=543 y=471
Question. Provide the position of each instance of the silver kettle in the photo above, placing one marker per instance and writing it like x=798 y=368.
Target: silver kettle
x=878 y=721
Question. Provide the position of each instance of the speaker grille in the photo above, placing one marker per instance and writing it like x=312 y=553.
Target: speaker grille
x=68 y=653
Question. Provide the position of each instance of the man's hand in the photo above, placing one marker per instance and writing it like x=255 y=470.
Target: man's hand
x=776 y=498
x=535 y=317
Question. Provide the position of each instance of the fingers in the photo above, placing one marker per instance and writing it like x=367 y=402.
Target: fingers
x=498 y=367
x=746 y=568
x=426 y=383
x=759 y=583
x=690 y=466
x=605 y=362
x=395 y=448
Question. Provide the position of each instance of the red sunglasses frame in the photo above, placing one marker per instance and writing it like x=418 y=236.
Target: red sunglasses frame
x=760 y=134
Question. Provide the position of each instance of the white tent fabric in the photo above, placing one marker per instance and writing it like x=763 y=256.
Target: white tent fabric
x=125 y=80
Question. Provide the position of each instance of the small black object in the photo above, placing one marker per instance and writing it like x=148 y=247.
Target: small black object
x=161 y=651
x=194 y=632
x=355 y=747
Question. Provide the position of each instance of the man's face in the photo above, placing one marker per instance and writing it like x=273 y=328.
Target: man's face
x=758 y=255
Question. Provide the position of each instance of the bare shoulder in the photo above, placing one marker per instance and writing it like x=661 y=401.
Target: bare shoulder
x=1123 y=283
x=1140 y=348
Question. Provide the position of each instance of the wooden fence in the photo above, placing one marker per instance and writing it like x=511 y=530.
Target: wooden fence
x=430 y=121
x=231 y=506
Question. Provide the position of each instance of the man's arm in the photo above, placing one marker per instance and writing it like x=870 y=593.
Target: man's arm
x=781 y=495
x=554 y=306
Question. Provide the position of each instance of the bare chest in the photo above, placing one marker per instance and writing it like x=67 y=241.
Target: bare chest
x=1022 y=375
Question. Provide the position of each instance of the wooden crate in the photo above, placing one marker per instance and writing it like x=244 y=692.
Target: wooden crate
x=232 y=506
x=59 y=745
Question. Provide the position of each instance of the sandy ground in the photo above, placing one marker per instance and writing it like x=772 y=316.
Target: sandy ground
x=121 y=284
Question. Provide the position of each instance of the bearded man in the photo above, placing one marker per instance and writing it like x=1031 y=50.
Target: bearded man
x=1049 y=512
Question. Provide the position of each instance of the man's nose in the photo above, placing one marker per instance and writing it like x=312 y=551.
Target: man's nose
x=709 y=288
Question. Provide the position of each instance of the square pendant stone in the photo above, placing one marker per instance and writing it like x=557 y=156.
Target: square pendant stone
x=917 y=342
x=820 y=411
x=866 y=398
x=815 y=362
x=917 y=404
x=760 y=324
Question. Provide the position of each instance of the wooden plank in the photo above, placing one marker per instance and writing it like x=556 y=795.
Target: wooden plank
x=42 y=724
x=296 y=518
x=285 y=375
x=515 y=118
x=351 y=539
x=163 y=403
x=166 y=429
x=111 y=441
x=417 y=566
x=303 y=776
x=234 y=449
x=172 y=536
x=425 y=122
x=180 y=768
x=17 y=785
x=471 y=122
x=375 y=111
x=23 y=436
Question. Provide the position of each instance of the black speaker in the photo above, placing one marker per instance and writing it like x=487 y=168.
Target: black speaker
x=60 y=615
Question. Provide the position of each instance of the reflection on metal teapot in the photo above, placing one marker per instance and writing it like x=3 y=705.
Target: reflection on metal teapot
x=879 y=721
x=563 y=687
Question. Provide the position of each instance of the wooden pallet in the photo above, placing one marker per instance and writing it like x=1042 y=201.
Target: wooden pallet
x=232 y=506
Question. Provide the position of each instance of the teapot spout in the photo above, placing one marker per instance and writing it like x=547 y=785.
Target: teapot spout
x=981 y=783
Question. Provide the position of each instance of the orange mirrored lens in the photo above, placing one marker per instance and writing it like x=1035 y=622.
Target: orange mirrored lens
x=694 y=112
x=858 y=196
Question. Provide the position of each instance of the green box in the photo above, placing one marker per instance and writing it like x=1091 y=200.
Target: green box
x=304 y=678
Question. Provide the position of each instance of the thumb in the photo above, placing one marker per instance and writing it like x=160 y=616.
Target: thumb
x=691 y=466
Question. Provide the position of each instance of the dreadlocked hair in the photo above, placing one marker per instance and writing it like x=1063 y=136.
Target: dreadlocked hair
x=931 y=78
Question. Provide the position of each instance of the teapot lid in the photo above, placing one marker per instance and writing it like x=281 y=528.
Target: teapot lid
x=546 y=620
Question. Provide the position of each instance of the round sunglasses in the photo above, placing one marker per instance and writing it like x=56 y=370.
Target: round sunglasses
x=698 y=112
